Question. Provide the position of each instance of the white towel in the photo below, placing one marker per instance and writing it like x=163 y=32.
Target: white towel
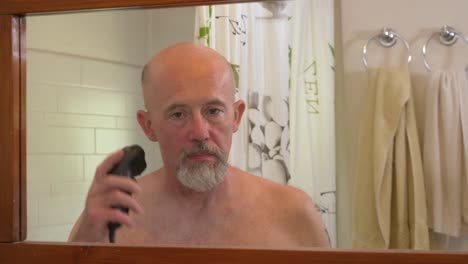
x=445 y=152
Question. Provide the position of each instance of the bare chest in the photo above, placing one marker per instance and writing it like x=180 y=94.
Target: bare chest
x=243 y=229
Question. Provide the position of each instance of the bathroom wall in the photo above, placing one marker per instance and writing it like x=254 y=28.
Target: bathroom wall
x=169 y=26
x=83 y=91
x=415 y=21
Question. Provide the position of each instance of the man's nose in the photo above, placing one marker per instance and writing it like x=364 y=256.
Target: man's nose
x=199 y=130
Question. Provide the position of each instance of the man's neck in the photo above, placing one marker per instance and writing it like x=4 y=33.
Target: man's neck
x=199 y=202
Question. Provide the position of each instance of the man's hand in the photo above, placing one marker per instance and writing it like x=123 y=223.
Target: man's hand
x=106 y=190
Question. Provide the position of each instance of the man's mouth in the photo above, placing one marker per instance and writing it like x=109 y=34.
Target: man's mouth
x=202 y=157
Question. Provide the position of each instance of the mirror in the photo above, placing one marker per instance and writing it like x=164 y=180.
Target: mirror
x=83 y=91
x=78 y=117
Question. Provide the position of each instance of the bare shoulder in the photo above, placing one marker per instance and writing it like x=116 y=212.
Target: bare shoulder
x=276 y=193
x=291 y=208
x=152 y=187
x=149 y=178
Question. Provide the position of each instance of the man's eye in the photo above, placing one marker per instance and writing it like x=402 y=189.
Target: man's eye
x=178 y=115
x=214 y=111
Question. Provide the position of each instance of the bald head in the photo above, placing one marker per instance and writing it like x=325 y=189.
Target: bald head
x=181 y=62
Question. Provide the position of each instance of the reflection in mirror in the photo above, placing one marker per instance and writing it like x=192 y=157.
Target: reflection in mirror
x=84 y=90
x=83 y=87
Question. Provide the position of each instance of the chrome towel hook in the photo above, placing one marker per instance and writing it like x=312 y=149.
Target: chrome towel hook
x=447 y=36
x=387 y=38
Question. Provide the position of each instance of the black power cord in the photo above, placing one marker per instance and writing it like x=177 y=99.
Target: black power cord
x=112 y=227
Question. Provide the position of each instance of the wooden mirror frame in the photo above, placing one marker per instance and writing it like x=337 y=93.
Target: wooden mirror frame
x=13 y=170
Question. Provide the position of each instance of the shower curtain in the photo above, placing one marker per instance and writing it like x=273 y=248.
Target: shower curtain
x=262 y=42
x=254 y=39
x=313 y=107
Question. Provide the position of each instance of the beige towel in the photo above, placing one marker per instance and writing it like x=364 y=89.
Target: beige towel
x=446 y=152
x=389 y=207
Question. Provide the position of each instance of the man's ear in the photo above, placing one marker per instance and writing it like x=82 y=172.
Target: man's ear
x=144 y=120
x=239 y=108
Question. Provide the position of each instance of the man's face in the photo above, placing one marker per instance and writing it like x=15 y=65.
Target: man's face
x=193 y=116
x=201 y=176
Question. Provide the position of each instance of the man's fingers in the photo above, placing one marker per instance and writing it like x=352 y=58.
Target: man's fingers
x=108 y=163
x=114 y=215
x=120 y=198
x=125 y=184
x=104 y=214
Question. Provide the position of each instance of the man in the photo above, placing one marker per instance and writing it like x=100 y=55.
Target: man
x=196 y=198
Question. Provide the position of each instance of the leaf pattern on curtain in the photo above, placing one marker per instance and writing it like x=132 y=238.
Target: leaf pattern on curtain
x=205 y=28
x=332 y=50
x=237 y=32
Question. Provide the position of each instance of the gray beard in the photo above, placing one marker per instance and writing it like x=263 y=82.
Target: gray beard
x=205 y=175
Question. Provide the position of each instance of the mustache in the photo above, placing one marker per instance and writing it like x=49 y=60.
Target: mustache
x=203 y=148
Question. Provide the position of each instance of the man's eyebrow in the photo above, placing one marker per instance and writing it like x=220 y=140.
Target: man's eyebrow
x=174 y=106
x=216 y=102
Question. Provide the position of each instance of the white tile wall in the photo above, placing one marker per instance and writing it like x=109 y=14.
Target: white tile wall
x=109 y=140
x=128 y=123
x=59 y=210
x=36 y=189
x=111 y=76
x=31 y=213
x=133 y=104
x=55 y=233
x=90 y=164
x=117 y=35
x=52 y=68
x=34 y=119
x=60 y=140
x=74 y=120
x=91 y=101
x=70 y=188
x=42 y=97
x=54 y=169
